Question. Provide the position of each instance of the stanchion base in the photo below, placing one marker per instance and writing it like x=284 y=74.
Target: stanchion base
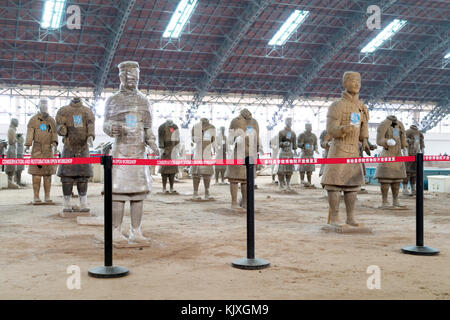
x=420 y=250
x=250 y=264
x=108 y=272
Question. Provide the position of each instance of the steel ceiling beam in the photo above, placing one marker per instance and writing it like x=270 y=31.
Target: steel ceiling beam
x=438 y=113
x=354 y=24
x=124 y=11
x=411 y=62
x=240 y=28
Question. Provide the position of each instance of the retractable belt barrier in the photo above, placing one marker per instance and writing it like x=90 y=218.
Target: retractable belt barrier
x=213 y=162
x=110 y=271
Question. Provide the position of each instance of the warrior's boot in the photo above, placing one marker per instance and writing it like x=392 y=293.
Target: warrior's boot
x=405 y=187
x=19 y=178
x=82 y=197
x=412 y=180
x=196 y=181
x=36 y=188
x=234 y=191
x=334 y=197
x=67 y=206
x=67 y=191
x=171 y=183
x=384 y=195
x=302 y=177
x=206 y=183
x=308 y=176
x=117 y=219
x=11 y=184
x=395 y=191
x=136 y=211
x=164 y=182
x=280 y=182
x=47 y=187
x=288 y=182
x=350 y=200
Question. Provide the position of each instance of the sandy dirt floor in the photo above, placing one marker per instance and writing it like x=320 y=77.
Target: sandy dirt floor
x=193 y=245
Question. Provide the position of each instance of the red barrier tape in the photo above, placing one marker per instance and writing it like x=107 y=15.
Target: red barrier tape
x=183 y=162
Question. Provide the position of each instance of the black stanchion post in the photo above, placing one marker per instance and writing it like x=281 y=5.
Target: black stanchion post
x=419 y=248
x=3 y=166
x=250 y=263
x=108 y=270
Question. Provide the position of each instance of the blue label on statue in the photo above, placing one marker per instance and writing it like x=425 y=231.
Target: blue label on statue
x=249 y=130
x=207 y=136
x=396 y=132
x=131 y=120
x=307 y=146
x=43 y=127
x=355 y=118
x=288 y=135
x=77 y=121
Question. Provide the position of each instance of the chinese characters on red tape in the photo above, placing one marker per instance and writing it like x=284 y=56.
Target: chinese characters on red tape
x=212 y=162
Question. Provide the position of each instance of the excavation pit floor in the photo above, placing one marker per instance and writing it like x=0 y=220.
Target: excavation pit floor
x=194 y=243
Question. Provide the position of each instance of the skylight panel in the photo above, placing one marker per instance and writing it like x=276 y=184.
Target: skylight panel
x=447 y=56
x=288 y=27
x=52 y=14
x=387 y=33
x=179 y=18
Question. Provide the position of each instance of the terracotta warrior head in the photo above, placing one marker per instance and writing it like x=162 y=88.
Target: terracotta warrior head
x=288 y=122
x=43 y=107
x=414 y=127
x=14 y=122
x=246 y=114
x=351 y=81
x=308 y=127
x=129 y=75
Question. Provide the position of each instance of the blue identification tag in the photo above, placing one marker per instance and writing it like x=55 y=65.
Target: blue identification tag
x=43 y=127
x=77 y=121
x=307 y=145
x=207 y=136
x=249 y=130
x=131 y=120
x=395 y=132
x=288 y=135
x=355 y=118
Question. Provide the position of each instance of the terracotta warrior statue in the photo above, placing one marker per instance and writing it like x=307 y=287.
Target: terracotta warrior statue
x=11 y=152
x=168 y=140
x=275 y=147
x=76 y=124
x=243 y=138
x=204 y=139
x=347 y=125
x=307 y=141
x=129 y=121
x=19 y=167
x=391 y=136
x=325 y=143
x=415 y=141
x=43 y=138
x=221 y=154
x=288 y=145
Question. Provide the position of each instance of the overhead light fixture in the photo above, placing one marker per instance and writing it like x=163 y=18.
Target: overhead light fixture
x=447 y=56
x=288 y=27
x=179 y=18
x=52 y=14
x=387 y=33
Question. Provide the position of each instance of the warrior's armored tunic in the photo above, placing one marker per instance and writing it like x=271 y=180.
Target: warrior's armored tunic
x=288 y=143
x=346 y=111
x=168 y=140
x=129 y=110
x=41 y=133
x=248 y=130
x=11 y=152
x=415 y=142
x=204 y=138
x=390 y=172
x=80 y=124
x=19 y=138
x=307 y=141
